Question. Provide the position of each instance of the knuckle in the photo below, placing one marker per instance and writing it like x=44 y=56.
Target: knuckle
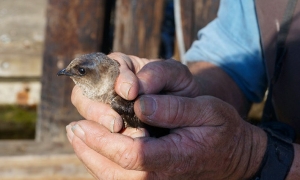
x=89 y=111
x=77 y=146
x=179 y=110
x=105 y=173
x=129 y=160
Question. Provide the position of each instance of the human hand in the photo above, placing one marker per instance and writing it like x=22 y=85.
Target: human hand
x=138 y=76
x=208 y=140
x=150 y=76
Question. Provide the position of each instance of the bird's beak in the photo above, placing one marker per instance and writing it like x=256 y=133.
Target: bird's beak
x=64 y=72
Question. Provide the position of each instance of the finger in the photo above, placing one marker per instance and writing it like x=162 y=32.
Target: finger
x=96 y=111
x=70 y=136
x=107 y=143
x=127 y=84
x=123 y=150
x=135 y=132
x=168 y=75
x=174 y=111
x=141 y=154
x=101 y=167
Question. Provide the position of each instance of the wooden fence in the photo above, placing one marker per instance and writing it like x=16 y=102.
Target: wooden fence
x=78 y=27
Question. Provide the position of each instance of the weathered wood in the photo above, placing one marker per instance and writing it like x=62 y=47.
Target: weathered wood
x=137 y=27
x=196 y=14
x=29 y=147
x=73 y=28
x=46 y=167
x=10 y=89
x=15 y=65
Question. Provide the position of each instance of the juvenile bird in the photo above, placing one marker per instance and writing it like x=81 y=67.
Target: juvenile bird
x=96 y=75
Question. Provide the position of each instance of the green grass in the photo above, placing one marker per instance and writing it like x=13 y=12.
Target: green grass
x=17 y=122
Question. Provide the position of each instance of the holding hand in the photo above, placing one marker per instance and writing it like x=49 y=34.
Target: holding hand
x=208 y=139
x=138 y=76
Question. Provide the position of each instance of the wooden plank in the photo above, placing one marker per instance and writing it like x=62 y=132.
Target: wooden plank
x=31 y=147
x=73 y=28
x=24 y=65
x=195 y=15
x=31 y=160
x=36 y=167
x=10 y=92
x=137 y=27
x=21 y=37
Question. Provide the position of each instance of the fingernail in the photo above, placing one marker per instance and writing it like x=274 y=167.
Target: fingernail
x=112 y=123
x=108 y=120
x=70 y=133
x=77 y=130
x=147 y=105
x=138 y=133
x=125 y=88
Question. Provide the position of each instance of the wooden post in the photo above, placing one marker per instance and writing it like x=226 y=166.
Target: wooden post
x=138 y=26
x=196 y=14
x=73 y=28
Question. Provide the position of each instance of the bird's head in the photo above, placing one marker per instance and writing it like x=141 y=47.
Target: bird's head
x=92 y=71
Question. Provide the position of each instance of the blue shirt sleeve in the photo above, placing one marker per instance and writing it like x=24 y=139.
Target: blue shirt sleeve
x=232 y=42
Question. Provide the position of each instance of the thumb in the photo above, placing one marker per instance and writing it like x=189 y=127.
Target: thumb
x=170 y=111
x=158 y=76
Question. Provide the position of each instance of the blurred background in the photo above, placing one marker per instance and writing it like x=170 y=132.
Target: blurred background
x=22 y=26
x=40 y=37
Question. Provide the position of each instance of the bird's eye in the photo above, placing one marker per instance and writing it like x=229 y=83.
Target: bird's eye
x=81 y=71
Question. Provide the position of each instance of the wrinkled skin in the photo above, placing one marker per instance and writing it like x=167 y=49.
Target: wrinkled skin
x=208 y=140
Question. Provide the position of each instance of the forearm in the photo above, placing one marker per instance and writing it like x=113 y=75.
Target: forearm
x=294 y=171
x=215 y=82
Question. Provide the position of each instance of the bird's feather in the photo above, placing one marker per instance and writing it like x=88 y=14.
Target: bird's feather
x=96 y=75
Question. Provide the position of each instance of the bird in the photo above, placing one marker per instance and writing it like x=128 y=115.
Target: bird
x=96 y=74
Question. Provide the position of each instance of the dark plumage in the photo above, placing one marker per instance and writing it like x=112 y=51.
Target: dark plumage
x=96 y=75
